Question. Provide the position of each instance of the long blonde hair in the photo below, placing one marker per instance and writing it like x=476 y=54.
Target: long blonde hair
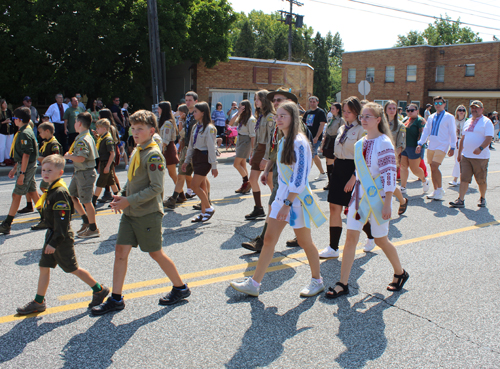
x=456 y=112
x=288 y=153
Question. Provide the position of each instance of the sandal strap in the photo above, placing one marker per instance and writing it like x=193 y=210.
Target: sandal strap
x=400 y=276
x=344 y=286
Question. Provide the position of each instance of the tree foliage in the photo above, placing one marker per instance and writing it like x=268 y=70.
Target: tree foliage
x=442 y=32
x=101 y=47
x=263 y=36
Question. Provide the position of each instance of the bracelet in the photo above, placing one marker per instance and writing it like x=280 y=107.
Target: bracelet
x=22 y=172
x=481 y=148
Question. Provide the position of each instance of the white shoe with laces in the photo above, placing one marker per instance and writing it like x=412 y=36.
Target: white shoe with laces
x=438 y=194
x=313 y=289
x=403 y=190
x=425 y=186
x=453 y=183
x=246 y=286
x=328 y=253
x=369 y=245
x=321 y=176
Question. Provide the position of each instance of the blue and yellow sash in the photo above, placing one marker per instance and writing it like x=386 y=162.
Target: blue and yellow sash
x=312 y=212
x=371 y=202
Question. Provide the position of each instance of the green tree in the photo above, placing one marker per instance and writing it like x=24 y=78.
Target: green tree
x=443 y=32
x=245 y=43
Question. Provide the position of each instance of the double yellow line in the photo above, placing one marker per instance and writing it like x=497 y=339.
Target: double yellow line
x=290 y=261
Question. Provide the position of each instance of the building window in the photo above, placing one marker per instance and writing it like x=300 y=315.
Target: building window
x=381 y=102
x=404 y=103
x=411 y=73
x=370 y=74
x=440 y=73
x=470 y=70
x=351 y=76
x=389 y=74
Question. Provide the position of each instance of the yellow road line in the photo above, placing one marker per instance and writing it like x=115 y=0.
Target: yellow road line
x=203 y=282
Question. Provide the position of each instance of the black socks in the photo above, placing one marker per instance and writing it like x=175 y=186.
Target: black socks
x=9 y=219
x=368 y=230
x=116 y=297
x=335 y=233
x=85 y=219
x=245 y=179
x=256 y=198
x=92 y=226
x=175 y=195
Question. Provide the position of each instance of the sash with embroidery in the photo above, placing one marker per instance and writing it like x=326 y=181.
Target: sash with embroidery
x=371 y=202
x=312 y=212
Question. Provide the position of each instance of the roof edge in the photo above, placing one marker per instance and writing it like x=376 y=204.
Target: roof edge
x=269 y=61
x=430 y=46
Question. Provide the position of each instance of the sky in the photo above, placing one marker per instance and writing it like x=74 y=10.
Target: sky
x=365 y=27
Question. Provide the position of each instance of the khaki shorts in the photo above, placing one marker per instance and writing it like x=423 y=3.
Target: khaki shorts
x=435 y=155
x=29 y=183
x=64 y=256
x=145 y=232
x=476 y=167
x=82 y=185
x=182 y=157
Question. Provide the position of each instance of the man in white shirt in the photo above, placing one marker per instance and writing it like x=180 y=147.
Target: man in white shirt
x=440 y=129
x=56 y=114
x=474 y=154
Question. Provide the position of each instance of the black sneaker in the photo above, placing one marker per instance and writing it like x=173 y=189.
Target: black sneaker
x=292 y=243
x=5 y=228
x=255 y=245
x=108 y=306
x=107 y=197
x=175 y=295
x=39 y=226
x=98 y=297
x=256 y=213
x=25 y=210
x=327 y=187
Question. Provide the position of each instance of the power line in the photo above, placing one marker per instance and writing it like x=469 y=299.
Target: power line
x=480 y=2
x=458 y=7
x=419 y=14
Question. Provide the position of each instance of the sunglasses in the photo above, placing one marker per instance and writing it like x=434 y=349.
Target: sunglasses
x=438 y=103
x=16 y=118
x=278 y=100
x=461 y=110
x=410 y=110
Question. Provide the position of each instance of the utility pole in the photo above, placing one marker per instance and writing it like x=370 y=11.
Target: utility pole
x=289 y=20
x=157 y=70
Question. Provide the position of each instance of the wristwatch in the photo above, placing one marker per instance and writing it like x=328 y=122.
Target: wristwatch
x=481 y=148
x=287 y=202
x=22 y=172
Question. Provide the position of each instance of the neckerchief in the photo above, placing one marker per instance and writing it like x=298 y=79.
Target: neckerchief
x=258 y=123
x=42 y=149
x=135 y=162
x=41 y=201
x=198 y=127
x=73 y=144
x=101 y=139
x=343 y=138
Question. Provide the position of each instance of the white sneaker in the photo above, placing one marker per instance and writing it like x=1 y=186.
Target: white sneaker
x=438 y=194
x=329 y=253
x=453 y=183
x=432 y=195
x=321 y=176
x=369 y=245
x=403 y=190
x=246 y=286
x=425 y=186
x=190 y=192
x=313 y=289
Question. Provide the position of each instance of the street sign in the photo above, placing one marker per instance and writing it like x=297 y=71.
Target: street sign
x=364 y=88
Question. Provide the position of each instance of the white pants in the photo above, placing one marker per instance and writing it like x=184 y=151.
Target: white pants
x=456 y=168
x=378 y=231
x=5 y=144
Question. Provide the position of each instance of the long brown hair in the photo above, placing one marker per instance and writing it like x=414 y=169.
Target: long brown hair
x=288 y=153
x=106 y=113
x=378 y=112
x=247 y=113
x=166 y=114
x=354 y=105
x=389 y=102
x=205 y=109
x=267 y=106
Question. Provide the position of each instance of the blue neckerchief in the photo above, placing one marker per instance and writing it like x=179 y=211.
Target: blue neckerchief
x=436 y=122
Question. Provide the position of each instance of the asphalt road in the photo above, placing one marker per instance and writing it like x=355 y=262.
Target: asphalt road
x=446 y=317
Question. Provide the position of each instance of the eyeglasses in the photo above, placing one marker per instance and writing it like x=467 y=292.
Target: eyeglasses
x=278 y=100
x=461 y=110
x=365 y=117
x=410 y=110
x=438 y=103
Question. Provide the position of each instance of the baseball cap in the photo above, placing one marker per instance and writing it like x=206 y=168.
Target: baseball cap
x=27 y=98
x=477 y=103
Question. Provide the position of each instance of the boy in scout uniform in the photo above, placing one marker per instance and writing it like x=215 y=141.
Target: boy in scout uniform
x=140 y=225
x=50 y=146
x=83 y=153
x=106 y=150
x=58 y=248
x=24 y=150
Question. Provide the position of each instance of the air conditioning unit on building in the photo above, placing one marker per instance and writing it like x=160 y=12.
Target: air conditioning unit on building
x=369 y=79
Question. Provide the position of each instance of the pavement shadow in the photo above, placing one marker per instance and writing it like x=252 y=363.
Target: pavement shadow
x=263 y=341
x=240 y=235
x=173 y=219
x=14 y=342
x=103 y=339
x=361 y=330
x=30 y=257
x=480 y=216
x=106 y=246
x=394 y=232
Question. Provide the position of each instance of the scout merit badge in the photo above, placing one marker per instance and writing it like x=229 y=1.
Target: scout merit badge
x=371 y=202
x=135 y=162
x=311 y=210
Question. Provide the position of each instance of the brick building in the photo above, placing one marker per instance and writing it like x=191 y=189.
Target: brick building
x=459 y=73
x=238 y=79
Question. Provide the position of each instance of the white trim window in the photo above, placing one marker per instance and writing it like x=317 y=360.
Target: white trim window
x=411 y=73
x=389 y=73
x=440 y=73
x=370 y=74
x=351 y=75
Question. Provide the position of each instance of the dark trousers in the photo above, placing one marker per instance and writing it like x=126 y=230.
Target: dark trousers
x=61 y=136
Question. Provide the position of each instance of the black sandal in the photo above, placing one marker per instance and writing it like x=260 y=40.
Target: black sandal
x=332 y=294
x=397 y=286
x=403 y=207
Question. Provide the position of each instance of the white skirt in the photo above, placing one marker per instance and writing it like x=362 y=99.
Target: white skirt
x=295 y=216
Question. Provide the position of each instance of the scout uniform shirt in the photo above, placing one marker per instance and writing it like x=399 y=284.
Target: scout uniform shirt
x=167 y=132
x=205 y=141
x=345 y=150
x=333 y=125
x=50 y=147
x=263 y=132
x=398 y=134
x=84 y=145
x=145 y=191
x=106 y=146
x=25 y=143
x=57 y=214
